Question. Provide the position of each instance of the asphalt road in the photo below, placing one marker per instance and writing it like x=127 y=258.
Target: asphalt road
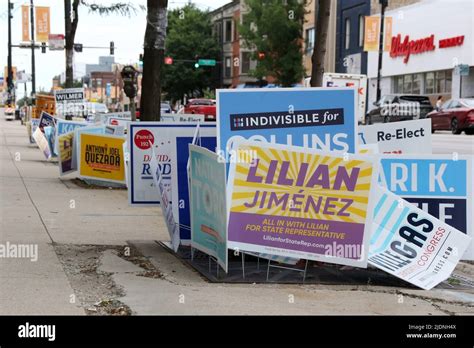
x=445 y=142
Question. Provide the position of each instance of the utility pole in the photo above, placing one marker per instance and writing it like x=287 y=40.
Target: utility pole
x=384 y=4
x=33 y=70
x=10 y=86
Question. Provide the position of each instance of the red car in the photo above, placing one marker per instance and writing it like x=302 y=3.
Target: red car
x=456 y=115
x=206 y=107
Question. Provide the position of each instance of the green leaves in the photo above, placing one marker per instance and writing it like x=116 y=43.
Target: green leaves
x=275 y=27
x=189 y=36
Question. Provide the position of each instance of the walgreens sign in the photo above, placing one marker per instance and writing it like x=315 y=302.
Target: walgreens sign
x=406 y=47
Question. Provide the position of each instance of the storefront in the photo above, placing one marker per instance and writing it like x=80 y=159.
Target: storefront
x=429 y=39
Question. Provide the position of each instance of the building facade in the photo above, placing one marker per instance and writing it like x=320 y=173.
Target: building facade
x=309 y=35
x=429 y=39
x=235 y=61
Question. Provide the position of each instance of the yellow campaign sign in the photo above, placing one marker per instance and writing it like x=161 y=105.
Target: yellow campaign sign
x=65 y=143
x=101 y=157
x=25 y=21
x=42 y=23
x=296 y=202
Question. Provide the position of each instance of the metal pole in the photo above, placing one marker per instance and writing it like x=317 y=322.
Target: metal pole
x=381 y=42
x=33 y=70
x=10 y=85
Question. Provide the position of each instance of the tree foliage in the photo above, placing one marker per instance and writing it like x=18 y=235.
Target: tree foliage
x=275 y=28
x=189 y=36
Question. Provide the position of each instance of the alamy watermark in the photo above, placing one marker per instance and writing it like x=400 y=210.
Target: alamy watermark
x=20 y=251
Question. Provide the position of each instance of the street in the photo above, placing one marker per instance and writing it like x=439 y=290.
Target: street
x=97 y=255
x=446 y=143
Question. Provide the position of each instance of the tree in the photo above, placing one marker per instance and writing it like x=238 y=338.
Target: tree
x=189 y=37
x=323 y=10
x=153 y=56
x=274 y=31
x=71 y=19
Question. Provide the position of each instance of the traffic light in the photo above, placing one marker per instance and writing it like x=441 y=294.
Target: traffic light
x=196 y=65
x=112 y=48
x=78 y=47
x=129 y=77
x=261 y=55
x=43 y=47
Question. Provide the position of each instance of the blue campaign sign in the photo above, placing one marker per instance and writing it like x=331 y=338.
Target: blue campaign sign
x=46 y=120
x=438 y=184
x=181 y=194
x=318 y=118
x=430 y=177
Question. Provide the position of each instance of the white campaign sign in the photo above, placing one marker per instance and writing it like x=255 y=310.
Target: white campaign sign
x=142 y=136
x=411 y=244
x=399 y=137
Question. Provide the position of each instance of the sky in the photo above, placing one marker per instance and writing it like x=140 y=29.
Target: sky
x=93 y=30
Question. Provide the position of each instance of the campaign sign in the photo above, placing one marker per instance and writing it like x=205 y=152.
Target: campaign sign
x=301 y=203
x=34 y=125
x=46 y=120
x=101 y=157
x=208 y=204
x=165 y=202
x=69 y=95
x=180 y=179
x=50 y=135
x=438 y=184
x=182 y=118
x=63 y=127
x=412 y=244
x=77 y=133
x=316 y=118
x=65 y=145
x=162 y=136
x=399 y=137
x=42 y=143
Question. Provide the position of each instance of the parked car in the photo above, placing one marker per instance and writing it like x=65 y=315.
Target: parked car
x=456 y=115
x=166 y=108
x=206 y=107
x=9 y=112
x=399 y=107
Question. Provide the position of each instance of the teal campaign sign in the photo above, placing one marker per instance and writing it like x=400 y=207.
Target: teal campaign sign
x=208 y=204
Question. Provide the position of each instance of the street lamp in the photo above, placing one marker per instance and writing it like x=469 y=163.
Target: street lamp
x=384 y=4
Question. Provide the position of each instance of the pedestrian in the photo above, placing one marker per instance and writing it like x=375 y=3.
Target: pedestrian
x=439 y=102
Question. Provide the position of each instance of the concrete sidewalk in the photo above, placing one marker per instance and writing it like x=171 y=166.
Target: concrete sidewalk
x=37 y=207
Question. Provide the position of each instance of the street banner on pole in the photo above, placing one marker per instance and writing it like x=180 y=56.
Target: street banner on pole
x=25 y=23
x=165 y=199
x=301 y=203
x=412 y=244
x=65 y=149
x=388 y=34
x=208 y=204
x=438 y=184
x=317 y=118
x=371 y=33
x=399 y=137
x=42 y=23
x=101 y=157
